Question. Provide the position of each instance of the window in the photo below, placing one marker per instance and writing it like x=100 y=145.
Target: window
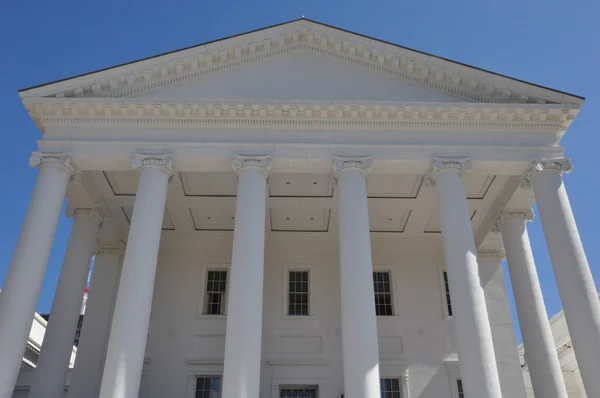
x=216 y=284
x=383 y=293
x=78 y=331
x=447 y=291
x=390 y=388
x=459 y=386
x=298 y=392
x=208 y=387
x=298 y=293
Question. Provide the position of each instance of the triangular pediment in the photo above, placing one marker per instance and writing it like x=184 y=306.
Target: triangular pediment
x=202 y=69
x=300 y=75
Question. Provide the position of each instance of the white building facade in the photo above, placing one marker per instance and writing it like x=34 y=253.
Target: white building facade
x=298 y=211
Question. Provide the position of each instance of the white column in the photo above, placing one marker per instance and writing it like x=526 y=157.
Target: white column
x=573 y=276
x=91 y=352
x=508 y=362
x=470 y=318
x=540 y=352
x=241 y=372
x=26 y=273
x=53 y=364
x=359 y=325
x=129 y=329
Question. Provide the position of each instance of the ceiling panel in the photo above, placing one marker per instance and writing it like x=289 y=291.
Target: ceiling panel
x=298 y=184
x=433 y=224
x=477 y=186
x=220 y=216
x=209 y=184
x=394 y=185
x=310 y=219
x=391 y=222
x=122 y=182
x=167 y=222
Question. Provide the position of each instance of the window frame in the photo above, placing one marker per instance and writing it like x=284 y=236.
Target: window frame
x=287 y=268
x=446 y=306
x=203 y=279
x=207 y=377
x=397 y=371
x=296 y=387
x=388 y=269
x=288 y=292
x=192 y=376
x=400 y=387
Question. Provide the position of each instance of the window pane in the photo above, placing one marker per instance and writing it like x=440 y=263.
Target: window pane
x=383 y=293
x=298 y=290
x=447 y=291
x=208 y=387
x=461 y=394
x=390 y=388
x=307 y=392
x=216 y=287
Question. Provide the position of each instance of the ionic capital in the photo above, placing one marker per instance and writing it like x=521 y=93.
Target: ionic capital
x=363 y=165
x=263 y=163
x=71 y=212
x=498 y=253
x=38 y=159
x=560 y=165
x=463 y=165
x=142 y=160
x=118 y=249
x=525 y=215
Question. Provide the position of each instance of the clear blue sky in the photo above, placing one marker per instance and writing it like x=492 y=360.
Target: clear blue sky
x=552 y=43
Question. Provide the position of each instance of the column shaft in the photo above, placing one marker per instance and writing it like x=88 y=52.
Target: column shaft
x=501 y=323
x=540 y=352
x=575 y=282
x=241 y=373
x=359 y=325
x=129 y=329
x=471 y=323
x=91 y=352
x=26 y=273
x=53 y=363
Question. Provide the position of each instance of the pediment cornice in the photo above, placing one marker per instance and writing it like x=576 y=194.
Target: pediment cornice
x=299 y=114
x=458 y=80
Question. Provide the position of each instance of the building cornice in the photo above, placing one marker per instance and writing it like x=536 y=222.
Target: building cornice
x=305 y=114
x=452 y=78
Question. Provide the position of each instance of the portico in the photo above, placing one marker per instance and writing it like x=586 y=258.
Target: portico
x=258 y=188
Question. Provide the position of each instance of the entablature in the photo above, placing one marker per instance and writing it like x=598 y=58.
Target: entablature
x=299 y=114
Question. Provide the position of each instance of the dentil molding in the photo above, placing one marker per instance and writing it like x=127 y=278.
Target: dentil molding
x=560 y=165
x=38 y=159
x=300 y=113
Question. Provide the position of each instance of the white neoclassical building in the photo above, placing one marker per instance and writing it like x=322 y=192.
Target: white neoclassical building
x=298 y=211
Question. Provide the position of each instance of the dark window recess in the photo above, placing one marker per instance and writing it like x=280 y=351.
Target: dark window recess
x=459 y=386
x=383 y=294
x=390 y=388
x=216 y=287
x=298 y=292
x=308 y=392
x=447 y=291
x=208 y=387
